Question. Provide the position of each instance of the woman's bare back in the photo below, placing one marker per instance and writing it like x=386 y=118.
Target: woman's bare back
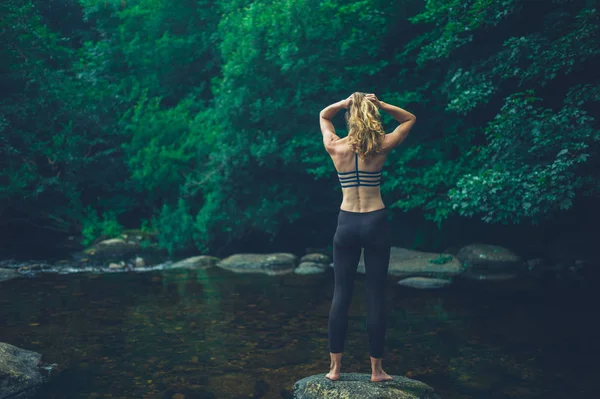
x=358 y=198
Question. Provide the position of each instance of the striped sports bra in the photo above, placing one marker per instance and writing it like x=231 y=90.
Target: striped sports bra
x=359 y=177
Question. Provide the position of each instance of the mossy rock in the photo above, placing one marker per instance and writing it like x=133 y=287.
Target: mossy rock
x=359 y=386
x=114 y=248
x=271 y=264
x=408 y=263
x=20 y=376
x=7 y=274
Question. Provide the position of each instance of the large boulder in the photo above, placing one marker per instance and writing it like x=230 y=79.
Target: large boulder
x=407 y=262
x=489 y=262
x=114 y=249
x=20 y=374
x=271 y=264
x=195 y=262
x=359 y=386
x=7 y=274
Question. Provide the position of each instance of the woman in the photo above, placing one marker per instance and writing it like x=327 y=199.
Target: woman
x=362 y=220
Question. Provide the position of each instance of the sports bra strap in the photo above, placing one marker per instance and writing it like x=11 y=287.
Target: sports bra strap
x=359 y=177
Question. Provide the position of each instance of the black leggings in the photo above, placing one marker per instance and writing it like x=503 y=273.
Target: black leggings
x=368 y=230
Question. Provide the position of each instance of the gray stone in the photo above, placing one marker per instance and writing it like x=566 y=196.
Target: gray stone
x=316 y=258
x=310 y=268
x=114 y=248
x=407 y=262
x=489 y=262
x=20 y=374
x=425 y=282
x=196 y=262
x=8 y=274
x=271 y=264
x=359 y=386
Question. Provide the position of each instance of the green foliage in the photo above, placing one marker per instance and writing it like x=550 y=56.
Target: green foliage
x=440 y=260
x=176 y=227
x=58 y=151
x=95 y=228
x=201 y=116
x=532 y=164
x=535 y=160
x=455 y=23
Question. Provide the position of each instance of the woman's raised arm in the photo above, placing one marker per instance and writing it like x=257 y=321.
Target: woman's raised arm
x=327 y=129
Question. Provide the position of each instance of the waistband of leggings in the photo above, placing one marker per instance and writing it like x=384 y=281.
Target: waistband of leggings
x=363 y=213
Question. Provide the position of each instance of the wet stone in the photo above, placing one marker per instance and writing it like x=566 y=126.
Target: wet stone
x=408 y=263
x=310 y=268
x=316 y=258
x=20 y=375
x=359 y=386
x=7 y=274
x=425 y=282
x=195 y=262
x=271 y=264
x=485 y=259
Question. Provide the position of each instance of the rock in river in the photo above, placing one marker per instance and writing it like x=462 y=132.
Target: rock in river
x=7 y=274
x=316 y=258
x=489 y=262
x=114 y=248
x=195 y=262
x=407 y=262
x=20 y=374
x=425 y=282
x=272 y=264
x=310 y=268
x=359 y=386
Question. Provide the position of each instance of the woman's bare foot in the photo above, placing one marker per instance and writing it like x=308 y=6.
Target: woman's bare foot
x=380 y=376
x=377 y=373
x=333 y=375
x=334 y=367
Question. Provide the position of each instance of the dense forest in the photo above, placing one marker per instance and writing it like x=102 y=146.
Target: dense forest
x=198 y=120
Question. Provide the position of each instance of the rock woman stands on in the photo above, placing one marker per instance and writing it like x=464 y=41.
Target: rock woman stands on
x=362 y=219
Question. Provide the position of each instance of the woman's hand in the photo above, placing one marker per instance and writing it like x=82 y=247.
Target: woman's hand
x=374 y=99
x=346 y=103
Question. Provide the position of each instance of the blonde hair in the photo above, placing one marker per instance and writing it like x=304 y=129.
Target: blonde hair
x=365 y=133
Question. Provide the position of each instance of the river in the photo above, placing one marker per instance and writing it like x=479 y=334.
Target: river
x=210 y=333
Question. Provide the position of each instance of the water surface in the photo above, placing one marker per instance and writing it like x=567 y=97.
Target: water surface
x=215 y=334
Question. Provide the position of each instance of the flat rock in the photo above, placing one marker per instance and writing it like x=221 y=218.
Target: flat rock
x=310 y=268
x=489 y=262
x=425 y=282
x=271 y=264
x=359 y=386
x=195 y=262
x=407 y=262
x=316 y=258
x=19 y=372
x=7 y=274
